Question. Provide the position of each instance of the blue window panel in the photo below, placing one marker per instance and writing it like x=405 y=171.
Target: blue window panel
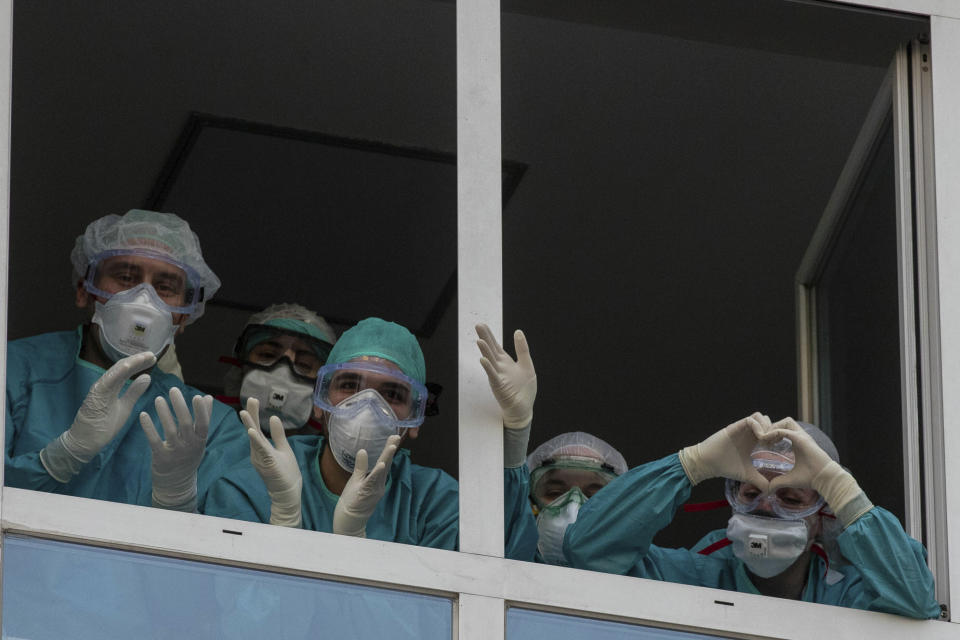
x=63 y=590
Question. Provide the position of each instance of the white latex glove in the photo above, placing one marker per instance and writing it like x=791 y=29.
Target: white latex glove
x=726 y=454
x=813 y=468
x=363 y=492
x=513 y=382
x=176 y=459
x=99 y=419
x=277 y=466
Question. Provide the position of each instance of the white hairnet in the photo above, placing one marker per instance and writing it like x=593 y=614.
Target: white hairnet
x=577 y=444
x=164 y=233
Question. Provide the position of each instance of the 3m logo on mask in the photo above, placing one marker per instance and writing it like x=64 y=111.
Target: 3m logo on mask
x=757 y=545
x=139 y=329
x=278 y=397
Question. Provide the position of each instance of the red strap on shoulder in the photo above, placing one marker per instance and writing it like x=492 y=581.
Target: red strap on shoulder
x=229 y=360
x=716 y=546
x=705 y=506
x=817 y=549
x=233 y=401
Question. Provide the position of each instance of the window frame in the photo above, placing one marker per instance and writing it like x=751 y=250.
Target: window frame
x=483 y=583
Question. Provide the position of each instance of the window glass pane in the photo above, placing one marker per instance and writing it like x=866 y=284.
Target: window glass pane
x=858 y=330
x=311 y=148
x=681 y=156
x=59 y=590
x=537 y=625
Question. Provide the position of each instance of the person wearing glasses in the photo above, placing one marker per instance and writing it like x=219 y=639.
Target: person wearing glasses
x=276 y=360
x=355 y=479
x=71 y=405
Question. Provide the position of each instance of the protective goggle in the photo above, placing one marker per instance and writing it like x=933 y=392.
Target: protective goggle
x=177 y=288
x=600 y=473
x=786 y=502
x=263 y=346
x=337 y=382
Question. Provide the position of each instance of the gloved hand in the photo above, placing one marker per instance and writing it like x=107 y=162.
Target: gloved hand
x=813 y=468
x=277 y=466
x=363 y=492
x=514 y=385
x=176 y=460
x=513 y=382
x=99 y=419
x=726 y=454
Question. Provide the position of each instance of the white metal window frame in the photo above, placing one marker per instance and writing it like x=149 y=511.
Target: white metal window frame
x=482 y=583
x=890 y=108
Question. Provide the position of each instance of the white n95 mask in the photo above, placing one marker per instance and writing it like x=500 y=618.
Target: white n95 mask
x=363 y=421
x=768 y=546
x=280 y=394
x=133 y=321
x=552 y=523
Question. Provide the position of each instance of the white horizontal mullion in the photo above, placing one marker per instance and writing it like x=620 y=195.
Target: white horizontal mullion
x=441 y=572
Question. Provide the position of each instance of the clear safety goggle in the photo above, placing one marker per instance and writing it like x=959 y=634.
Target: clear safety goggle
x=176 y=284
x=337 y=382
x=599 y=473
x=786 y=502
x=263 y=346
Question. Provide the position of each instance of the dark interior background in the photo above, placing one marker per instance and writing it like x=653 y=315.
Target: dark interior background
x=679 y=156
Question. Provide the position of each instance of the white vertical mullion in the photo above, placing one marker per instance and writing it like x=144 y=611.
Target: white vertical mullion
x=945 y=59
x=903 y=186
x=6 y=97
x=480 y=617
x=479 y=269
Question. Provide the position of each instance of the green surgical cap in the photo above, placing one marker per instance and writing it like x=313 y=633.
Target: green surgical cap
x=299 y=327
x=381 y=339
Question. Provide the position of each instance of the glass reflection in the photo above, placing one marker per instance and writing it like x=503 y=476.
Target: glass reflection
x=57 y=590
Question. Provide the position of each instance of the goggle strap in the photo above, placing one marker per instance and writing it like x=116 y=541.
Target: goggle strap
x=716 y=546
x=693 y=507
x=817 y=549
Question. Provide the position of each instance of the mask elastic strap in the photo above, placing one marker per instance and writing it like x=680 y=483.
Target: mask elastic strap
x=716 y=546
x=818 y=550
x=315 y=424
x=693 y=507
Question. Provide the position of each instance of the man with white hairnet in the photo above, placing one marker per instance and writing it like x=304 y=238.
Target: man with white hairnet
x=72 y=410
x=276 y=360
x=788 y=493
x=565 y=471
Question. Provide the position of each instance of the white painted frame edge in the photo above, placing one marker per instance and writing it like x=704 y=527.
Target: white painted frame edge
x=945 y=60
x=440 y=572
x=928 y=317
x=6 y=101
x=944 y=8
x=588 y=594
